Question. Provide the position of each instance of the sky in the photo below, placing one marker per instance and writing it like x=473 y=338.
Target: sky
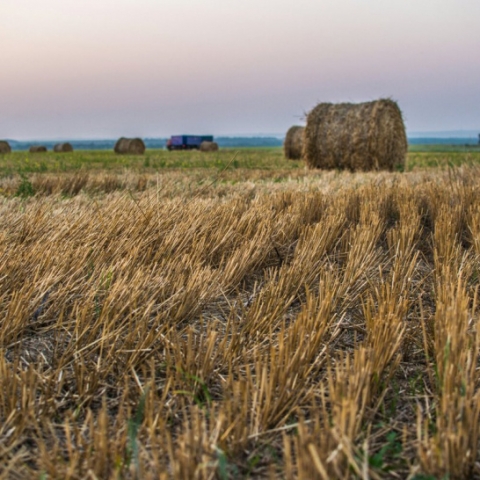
x=103 y=68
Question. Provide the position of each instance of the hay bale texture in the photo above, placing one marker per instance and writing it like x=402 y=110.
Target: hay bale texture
x=37 y=149
x=293 y=144
x=63 y=147
x=5 y=147
x=363 y=136
x=133 y=146
x=209 y=146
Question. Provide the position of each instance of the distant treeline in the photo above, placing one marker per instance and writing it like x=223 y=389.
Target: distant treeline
x=108 y=144
x=225 y=142
x=443 y=141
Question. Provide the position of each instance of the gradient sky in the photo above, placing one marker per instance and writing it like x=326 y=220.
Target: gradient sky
x=104 y=68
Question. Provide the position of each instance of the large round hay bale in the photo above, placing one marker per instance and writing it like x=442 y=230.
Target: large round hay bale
x=133 y=146
x=5 y=147
x=37 y=149
x=362 y=136
x=293 y=144
x=208 y=146
x=63 y=147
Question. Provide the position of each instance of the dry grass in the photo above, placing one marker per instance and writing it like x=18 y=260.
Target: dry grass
x=325 y=326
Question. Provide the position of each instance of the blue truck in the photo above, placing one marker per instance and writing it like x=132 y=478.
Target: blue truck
x=187 y=142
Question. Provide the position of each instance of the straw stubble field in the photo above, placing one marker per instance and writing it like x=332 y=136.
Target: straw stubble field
x=247 y=323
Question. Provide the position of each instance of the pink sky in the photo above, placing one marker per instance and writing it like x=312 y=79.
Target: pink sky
x=98 y=68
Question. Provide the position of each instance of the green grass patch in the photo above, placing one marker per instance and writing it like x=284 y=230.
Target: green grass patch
x=250 y=158
x=23 y=163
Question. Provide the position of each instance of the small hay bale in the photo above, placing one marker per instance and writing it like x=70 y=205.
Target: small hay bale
x=37 y=149
x=293 y=144
x=133 y=146
x=209 y=146
x=5 y=147
x=63 y=147
x=363 y=136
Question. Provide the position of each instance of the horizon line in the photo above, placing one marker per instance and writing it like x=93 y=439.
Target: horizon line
x=463 y=133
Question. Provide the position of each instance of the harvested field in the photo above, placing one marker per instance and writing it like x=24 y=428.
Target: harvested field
x=240 y=323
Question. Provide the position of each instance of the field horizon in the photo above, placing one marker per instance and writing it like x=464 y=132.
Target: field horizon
x=417 y=140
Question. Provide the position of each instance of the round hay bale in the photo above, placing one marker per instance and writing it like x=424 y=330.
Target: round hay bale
x=37 y=149
x=362 y=136
x=132 y=146
x=293 y=144
x=5 y=147
x=63 y=147
x=208 y=146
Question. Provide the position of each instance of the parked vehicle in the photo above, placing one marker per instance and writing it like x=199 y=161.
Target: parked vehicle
x=187 y=142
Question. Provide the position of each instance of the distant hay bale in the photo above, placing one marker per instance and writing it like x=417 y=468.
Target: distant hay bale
x=63 y=147
x=208 y=146
x=293 y=144
x=37 y=149
x=363 y=136
x=133 y=146
x=5 y=147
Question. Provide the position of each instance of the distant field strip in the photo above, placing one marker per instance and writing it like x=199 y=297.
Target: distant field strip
x=94 y=162
x=240 y=324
